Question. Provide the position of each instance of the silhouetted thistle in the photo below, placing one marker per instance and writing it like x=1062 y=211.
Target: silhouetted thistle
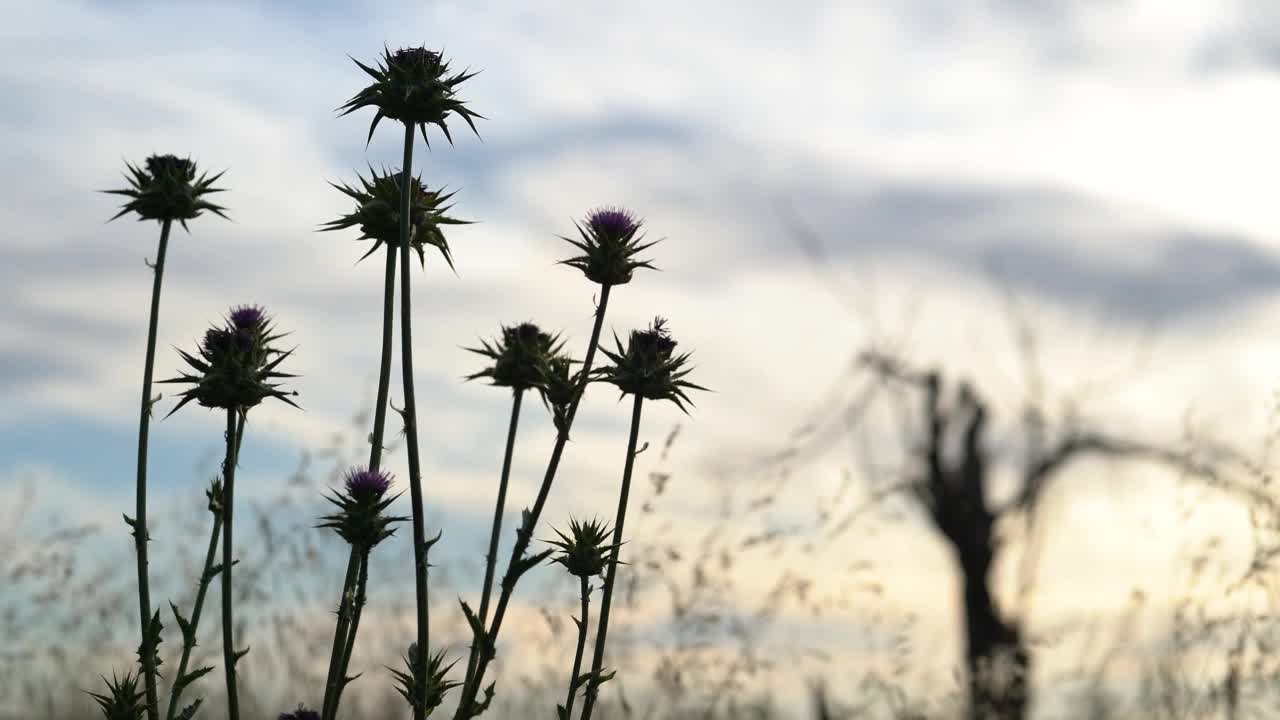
x=433 y=686
x=558 y=386
x=168 y=190
x=377 y=214
x=361 y=518
x=519 y=356
x=610 y=241
x=584 y=551
x=235 y=364
x=123 y=700
x=301 y=713
x=648 y=367
x=413 y=85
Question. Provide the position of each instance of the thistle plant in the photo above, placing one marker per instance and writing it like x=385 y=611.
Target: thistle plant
x=123 y=700
x=583 y=553
x=377 y=214
x=166 y=190
x=414 y=87
x=233 y=371
x=422 y=684
x=362 y=521
x=520 y=358
x=609 y=245
x=647 y=368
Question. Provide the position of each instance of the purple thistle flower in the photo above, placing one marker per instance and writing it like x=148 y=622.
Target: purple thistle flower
x=366 y=484
x=302 y=713
x=610 y=241
x=247 y=317
x=612 y=222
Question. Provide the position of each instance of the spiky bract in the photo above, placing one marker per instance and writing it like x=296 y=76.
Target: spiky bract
x=559 y=388
x=377 y=214
x=168 y=189
x=584 y=552
x=409 y=684
x=519 y=356
x=235 y=365
x=648 y=366
x=413 y=85
x=610 y=241
x=361 y=519
x=123 y=700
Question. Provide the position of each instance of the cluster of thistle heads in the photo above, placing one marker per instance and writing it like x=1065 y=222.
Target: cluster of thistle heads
x=237 y=363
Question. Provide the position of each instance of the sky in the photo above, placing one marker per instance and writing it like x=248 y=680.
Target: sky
x=1100 y=171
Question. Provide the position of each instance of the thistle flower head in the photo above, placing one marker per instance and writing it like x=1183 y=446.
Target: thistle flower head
x=302 y=713
x=410 y=683
x=649 y=367
x=361 y=518
x=123 y=699
x=584 y=552
x=609 y=245
x=413 y=85
x=168 y=189
x=377 y=214
x=247 y=317
x=558 y=387
x=235 y=364
x=518 y=356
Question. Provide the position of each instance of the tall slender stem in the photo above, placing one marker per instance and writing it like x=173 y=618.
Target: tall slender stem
x=228 y=494
x=344 y=633
x=411 y=429
x=525 y=534
x=602 y=628
x=384 y=372
x=206 y=577
x=328 y=709
x=140 y=512
x=491 y=560
x=582 y=644
x=361 y=585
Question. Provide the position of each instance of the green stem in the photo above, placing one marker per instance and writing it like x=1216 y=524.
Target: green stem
x=525 y=533
x=411 y=429
x=327 y=710
x=206 y=577
x=582 y=644
x=356 y=610
x=228 y=494
x=384 y=373
x=140 y=512
x=491 y=560
x=602 y=629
